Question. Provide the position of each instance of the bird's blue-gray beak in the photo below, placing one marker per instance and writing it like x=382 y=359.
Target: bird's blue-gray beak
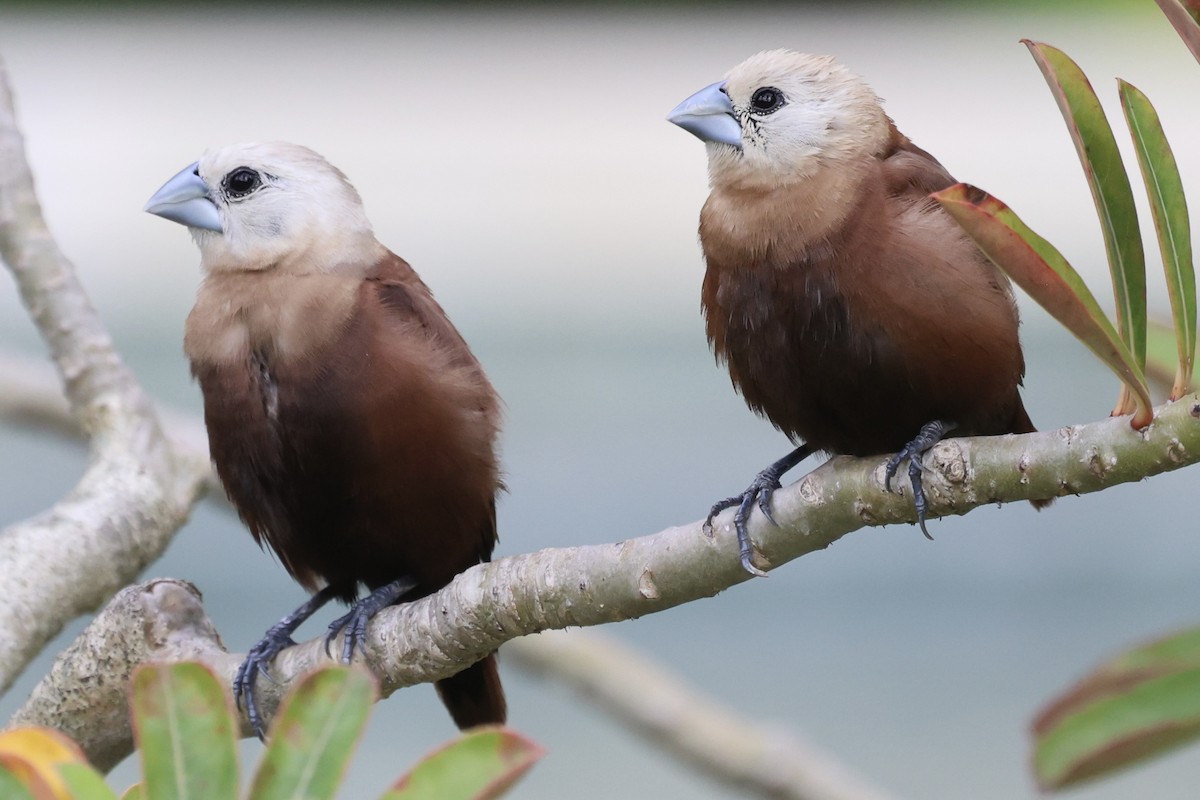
x=184 y=199
x=708 y=114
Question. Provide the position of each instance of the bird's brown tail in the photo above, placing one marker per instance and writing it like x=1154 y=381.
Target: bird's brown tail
x=1023 y=424
x=475 y=696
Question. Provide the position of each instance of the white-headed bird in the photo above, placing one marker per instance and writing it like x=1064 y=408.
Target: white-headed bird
x=348 y=420
x=851 y=311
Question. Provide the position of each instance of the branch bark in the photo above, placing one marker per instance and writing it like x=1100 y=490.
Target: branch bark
x=85 y=695
x=580 y=586
x=164 y=620
x=136 y=491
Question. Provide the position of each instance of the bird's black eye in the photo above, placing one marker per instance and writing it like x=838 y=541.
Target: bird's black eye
x=241 y=182
x=766 y=100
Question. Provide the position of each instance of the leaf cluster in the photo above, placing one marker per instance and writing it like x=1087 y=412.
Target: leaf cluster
x=1147 y=700
x=187 y=735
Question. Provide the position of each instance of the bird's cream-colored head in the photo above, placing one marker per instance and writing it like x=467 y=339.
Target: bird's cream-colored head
x=269 y=206
x=780 y=117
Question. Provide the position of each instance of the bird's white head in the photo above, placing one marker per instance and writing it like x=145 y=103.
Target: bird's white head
x=269 y=206
x=781 y=117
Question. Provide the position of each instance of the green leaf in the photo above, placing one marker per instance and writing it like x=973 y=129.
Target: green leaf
x=1185 y=16
x=314 y=735
x=481 y=764
x=1038 y=268
x=1137 y=706
x=1161 y=359
x=135 y=792
x=11 y=787
x=1113 y=196
x=1169 y=207
x=85 y=783
x=184 y=724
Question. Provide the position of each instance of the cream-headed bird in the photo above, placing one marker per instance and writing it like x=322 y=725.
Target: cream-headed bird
x=348 y=420
x=851 y=310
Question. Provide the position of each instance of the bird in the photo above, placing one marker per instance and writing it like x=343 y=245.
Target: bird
x=348 y=420
x=850 y=310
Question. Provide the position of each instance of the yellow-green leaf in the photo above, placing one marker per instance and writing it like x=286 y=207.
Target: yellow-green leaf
x=1169 y=208
x=1111 y=192
x=314 y=734
x=1161 y=361
x=1139 y=705
x=186 y=734
x=481 y=764
x=33 y=755
x=1037 y=267
x=85 y=783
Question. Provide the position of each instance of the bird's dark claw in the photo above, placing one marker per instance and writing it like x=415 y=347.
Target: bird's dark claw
x=759 y=491
x=257 y=660
x=354 y=622
x=930 y=434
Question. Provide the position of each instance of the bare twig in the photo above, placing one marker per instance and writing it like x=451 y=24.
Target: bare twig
x=771 y=761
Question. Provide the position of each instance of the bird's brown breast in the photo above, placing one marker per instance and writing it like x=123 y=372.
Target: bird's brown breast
x=854 y=337
x=349 y=423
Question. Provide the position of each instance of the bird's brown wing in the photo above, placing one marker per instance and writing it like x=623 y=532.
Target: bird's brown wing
x=409 y=302
x=913 y=174
x=910 y=171
x=473 y=696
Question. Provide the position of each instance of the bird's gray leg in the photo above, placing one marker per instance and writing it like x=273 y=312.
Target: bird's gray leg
x=931 y=433
x=761 y=488
x=354 y=623
x=276 y=639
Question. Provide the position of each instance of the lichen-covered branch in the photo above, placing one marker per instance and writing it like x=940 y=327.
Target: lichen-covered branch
x=163 y=620
x=136 y=490
x=85 y=695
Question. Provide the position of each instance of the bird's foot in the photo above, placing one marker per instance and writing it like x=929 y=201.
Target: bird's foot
x=276 y=640
x=758 y=492
x=931 y=433
x=354 y=622
x=256 y=663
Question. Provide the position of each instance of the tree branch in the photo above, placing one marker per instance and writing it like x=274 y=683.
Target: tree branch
x=163 y=621
x=561 y=587
x=135 y=492
x=85 y=695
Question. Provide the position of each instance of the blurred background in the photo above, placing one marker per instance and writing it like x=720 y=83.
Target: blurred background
x=518 y=157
